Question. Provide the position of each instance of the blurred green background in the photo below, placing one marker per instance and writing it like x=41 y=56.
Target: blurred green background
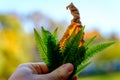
x=17 y=43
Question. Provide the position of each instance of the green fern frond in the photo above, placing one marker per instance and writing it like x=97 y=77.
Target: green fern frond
x=77 y=40
x=89 y=41
x=72 y=46
x=41 y=46
x=67 y=47
x=45 y=35
x=93 y=50
x=53 y=54
x=68 y=44
x=81 y=67
x=48 y=48
x=55 y=33
x=74 y=38
x=79 y=55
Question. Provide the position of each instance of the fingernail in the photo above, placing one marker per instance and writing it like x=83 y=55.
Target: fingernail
x=69 y=67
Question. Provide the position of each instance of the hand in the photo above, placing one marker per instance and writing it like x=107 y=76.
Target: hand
x=39 y=71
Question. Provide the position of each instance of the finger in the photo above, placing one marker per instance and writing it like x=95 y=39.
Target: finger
x=36 y=68
x=61 y=73
x=39 y=68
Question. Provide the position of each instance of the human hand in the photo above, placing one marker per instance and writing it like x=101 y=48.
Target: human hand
x=39 y=71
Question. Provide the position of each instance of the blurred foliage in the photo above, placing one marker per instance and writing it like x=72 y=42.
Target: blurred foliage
x=108 y=76
x=15 y=45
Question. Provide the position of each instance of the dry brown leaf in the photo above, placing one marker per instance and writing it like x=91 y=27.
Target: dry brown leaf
x=74 y=26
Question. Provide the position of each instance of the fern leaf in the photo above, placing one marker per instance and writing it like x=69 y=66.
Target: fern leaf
x=54 y=57
x=55 y=33
x=52 y=49
x=41 y=46
x=68 y=44
x=79 y=55
x=80 y=68
x=77 y=39
x=45 y=35
x=73 y=48
x=93 y=50
x=89 y=41
x=73 y=41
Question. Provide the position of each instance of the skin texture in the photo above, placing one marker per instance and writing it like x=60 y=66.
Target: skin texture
x=39 y=71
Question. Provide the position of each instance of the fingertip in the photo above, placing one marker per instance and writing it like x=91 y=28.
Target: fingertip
x=62 y=73
x=69 y=67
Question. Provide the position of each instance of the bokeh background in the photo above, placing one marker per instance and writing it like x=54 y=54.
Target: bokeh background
x=19 y=17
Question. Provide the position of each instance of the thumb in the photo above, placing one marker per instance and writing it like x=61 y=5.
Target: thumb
x=61 y=73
